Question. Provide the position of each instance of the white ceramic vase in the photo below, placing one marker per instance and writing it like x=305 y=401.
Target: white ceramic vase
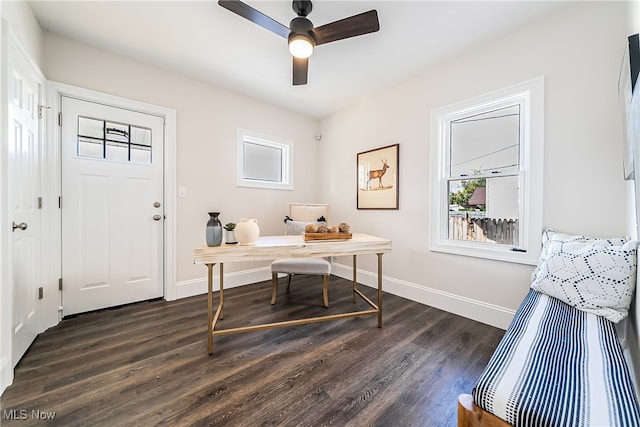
x=247 y=231
x=229 y=237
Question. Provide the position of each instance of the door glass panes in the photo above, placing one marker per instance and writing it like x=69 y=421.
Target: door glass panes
x=140 y=145
x=108 y=140
x=90 y=139
x=488 y=142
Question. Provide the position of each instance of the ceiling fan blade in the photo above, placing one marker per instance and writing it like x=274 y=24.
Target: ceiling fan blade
x=255 y=16
x=356 y=25
x=300 y=69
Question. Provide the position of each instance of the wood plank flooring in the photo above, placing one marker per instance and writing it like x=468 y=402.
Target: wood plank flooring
x=146 y=364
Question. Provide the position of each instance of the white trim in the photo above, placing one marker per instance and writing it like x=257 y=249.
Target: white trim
x=6 y=374
x=12 y=49
x=6 y=293
x=287 y=164
x=56 y=90
x=189 y=288
x=530 y=94
x=489 y=314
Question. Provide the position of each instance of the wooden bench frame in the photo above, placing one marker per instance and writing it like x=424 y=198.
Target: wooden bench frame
x=471 y=415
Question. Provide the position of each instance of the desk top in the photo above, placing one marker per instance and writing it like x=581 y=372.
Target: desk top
x=268 y=248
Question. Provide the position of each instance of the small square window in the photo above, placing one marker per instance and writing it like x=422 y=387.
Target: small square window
x=264 y=161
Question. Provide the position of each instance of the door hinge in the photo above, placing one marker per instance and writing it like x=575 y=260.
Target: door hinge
x=60 y=284
x=59 y=202
x=60 y=118
x=40 y=292
x=39 y=202
x=40 y=108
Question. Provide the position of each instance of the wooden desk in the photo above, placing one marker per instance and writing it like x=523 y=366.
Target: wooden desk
x=270 y=248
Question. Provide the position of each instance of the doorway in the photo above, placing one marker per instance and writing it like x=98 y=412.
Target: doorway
x=112 y=205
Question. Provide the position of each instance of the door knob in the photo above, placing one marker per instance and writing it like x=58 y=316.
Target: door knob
x=156 y=204
x=157 y=217
x=21 y=226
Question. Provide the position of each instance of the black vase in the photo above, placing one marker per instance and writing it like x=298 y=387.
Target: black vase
x=214 y=230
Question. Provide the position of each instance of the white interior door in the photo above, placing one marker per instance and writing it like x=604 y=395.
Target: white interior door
x=24 y=179
x=112 y=206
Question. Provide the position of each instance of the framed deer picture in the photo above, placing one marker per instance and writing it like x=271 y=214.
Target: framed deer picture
x=378 y=174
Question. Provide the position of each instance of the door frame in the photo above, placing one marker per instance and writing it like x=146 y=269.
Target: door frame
x=11 y=46
x=55 y=90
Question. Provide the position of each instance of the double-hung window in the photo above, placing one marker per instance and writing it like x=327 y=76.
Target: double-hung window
x=487 y=175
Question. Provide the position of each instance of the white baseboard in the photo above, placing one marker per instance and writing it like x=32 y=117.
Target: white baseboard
x=6 y=374
x=189 y=288
x=490 y=314
x=472 y=309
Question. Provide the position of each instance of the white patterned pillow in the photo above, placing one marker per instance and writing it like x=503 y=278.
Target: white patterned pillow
x=591 y=277
x=552 y=235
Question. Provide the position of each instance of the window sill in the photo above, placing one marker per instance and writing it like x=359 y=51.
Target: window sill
x=490 y=251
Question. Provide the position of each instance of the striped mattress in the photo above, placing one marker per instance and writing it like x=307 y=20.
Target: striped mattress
x=558 y=366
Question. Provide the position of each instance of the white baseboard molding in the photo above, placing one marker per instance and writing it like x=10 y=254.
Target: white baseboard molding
x=490 y=314
x=6 y=374
x=189 y=288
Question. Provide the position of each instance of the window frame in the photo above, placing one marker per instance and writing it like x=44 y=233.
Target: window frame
x=530 y=95
x=286 y=163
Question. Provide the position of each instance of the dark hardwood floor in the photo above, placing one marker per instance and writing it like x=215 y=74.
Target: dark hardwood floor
x=146 y=364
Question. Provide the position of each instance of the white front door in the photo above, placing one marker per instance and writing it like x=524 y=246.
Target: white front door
x=24 y=179
x=112 y=206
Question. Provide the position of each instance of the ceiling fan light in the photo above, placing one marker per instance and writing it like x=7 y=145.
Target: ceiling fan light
x=301 y=46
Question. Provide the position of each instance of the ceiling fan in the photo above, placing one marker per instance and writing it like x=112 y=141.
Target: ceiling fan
x=301 y=34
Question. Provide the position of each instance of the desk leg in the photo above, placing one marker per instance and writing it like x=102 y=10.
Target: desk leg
x=210 y=307
x=379 y=290
x=355 y=282
x=221 y=291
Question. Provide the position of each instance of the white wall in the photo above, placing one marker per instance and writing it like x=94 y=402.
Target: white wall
x=207 y=121
x=579 y=51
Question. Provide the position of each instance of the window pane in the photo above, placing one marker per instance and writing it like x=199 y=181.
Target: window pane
x=90 y=128
x=117 y=132
x=89 y=147
x=262 y=162
x=140 y=136
x=485 y=210
x=140 y=154
x=486 y=143
x=117 y=151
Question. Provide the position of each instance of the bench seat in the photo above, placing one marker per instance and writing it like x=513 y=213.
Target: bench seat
x=558 y=366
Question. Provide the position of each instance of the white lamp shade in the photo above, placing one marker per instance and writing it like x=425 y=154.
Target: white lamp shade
x=301 y=46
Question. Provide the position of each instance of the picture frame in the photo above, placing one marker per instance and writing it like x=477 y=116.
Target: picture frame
x=377 y=178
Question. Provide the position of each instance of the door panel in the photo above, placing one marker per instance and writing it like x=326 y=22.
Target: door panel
x=24 y=189
x=112 y=180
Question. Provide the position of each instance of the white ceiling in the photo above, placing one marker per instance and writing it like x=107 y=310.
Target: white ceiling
x=202 y=40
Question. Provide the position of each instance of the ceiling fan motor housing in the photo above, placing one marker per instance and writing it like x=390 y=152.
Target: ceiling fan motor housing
x=300 y=25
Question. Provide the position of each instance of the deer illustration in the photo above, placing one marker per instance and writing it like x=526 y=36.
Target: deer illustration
x=378 y=174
